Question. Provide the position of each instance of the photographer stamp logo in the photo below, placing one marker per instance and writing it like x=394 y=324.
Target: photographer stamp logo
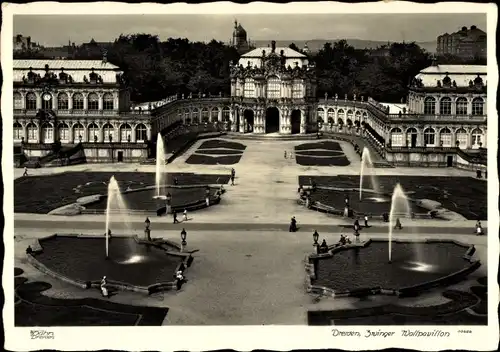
x=41 y=335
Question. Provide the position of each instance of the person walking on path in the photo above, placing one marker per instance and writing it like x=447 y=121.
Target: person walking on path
x=185 y=215
x=479 y=228
x=174 y=214
x=25 y=171
x=366 y=220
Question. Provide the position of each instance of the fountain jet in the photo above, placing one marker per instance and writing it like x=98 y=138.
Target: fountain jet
x=366 y=162
x=400 y=207
x=160 y=164
x=115 y=203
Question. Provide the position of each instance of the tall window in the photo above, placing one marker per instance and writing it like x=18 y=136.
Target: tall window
x=78 y=101
x=32 y=132
x=141 y=133
x=93 y=101
x=462 y=106
x=63 y=131
x=461 y=136
x=430 y=106
x=397 y=139
x=204 y=115
x=108 y=101
x=18 y=131
x=477 y=137
x=30 y=101
x=108 y=131
x=226 y=113
x=429 y=137
x=93 y=132
x=18 y=100
x=321 y=114
x=47 y=133
x=445 y=106
x=187 y=117
x=274 y=88
x=341 y=116
x=78 y=131
x=47 y=101
x=331 y=116
x=297 y=89
x=249 y=88
x=445 y=137
x=125 y=132
x=349 y=116
x=478 y=106
x=62 y=101
x=195 y=115
x=214 y=114
x=358 y=115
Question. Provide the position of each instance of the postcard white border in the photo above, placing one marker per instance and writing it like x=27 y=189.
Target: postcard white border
x=280 y=338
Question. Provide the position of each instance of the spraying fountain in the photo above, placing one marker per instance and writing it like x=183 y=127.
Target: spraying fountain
x=366 y=163
x=400 y=207
x=115 y=204
x=160 y=165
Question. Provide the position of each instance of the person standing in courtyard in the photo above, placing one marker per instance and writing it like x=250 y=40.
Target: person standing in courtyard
x=232 y=180
x=25 y=171
x=366 y=220
x=174 y=214
x=285 y=154
x=185 y=215
x=479 y=228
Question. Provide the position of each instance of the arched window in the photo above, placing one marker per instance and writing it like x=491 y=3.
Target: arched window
x=108 y=101
x=63 y=132
x=349 y=115
x=214 y=114
x=125 y=132
x=397 y=139
x=226 y=113
x=78 y=133
x=93 y=101
x=273 y=87
x=47 y=101
x=461 y=136
x=77 y=101
x=62 y=101
x=30 y=101
x=109 y=133
x=47 y=133
x=18 y=131
x=430 y=106
x=461 y=106
x=445 y=137
x=429 y=137
x=331 y=116
x=358 y=116
x=365 y=115
x=32 y=132
x=445 y=106
x=18 y=100
x=321 y=114
x=186 y=116
x=341 y=116
x=204 y=115
x=478 y=106
x=93 y=132
x=141 y=133
x=411 y=137
x=195 y=115
x=249 y=88
x=477 y=138
x=297 y=89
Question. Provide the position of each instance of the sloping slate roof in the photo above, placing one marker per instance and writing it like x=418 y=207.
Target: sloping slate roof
x=66 y=64
x=257 y=53
x=107 y=76
x=461 y=74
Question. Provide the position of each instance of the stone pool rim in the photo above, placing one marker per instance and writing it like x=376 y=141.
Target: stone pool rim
x=411 y=291
x=185 y=261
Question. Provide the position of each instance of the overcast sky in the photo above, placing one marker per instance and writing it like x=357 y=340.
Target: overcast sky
x=55 y=30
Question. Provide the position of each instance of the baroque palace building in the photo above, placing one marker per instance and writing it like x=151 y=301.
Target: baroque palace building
x=73 y=102
x=273 y=92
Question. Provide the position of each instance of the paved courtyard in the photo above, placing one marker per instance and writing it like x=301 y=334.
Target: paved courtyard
x=250 y=269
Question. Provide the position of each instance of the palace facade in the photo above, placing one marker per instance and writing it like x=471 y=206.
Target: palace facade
x=71 y=102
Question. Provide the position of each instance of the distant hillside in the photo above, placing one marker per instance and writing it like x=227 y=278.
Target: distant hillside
x=316 y=44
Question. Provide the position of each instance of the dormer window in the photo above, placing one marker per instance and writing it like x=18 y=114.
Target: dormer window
x=93 y=76
x=447 y=81
x=478 y=81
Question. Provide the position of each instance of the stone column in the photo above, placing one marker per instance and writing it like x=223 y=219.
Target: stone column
x=100 y=102
x=302 y=121
x=242 y=126
x=38 y=100
x=70 y=101
x=232 y=119
x=85 y=101
x=219 y=115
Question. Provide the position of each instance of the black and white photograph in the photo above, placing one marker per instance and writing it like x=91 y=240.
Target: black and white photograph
x=310 y=175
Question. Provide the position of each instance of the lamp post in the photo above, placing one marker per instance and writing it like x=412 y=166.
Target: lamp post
x=315 y=238
x=183 y=238
x=147 y=230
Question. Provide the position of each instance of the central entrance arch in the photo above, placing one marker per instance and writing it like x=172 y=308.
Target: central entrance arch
x=272 y=120
x=249 y=119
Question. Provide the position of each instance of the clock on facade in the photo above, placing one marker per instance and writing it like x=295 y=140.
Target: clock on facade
x=47 y=97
